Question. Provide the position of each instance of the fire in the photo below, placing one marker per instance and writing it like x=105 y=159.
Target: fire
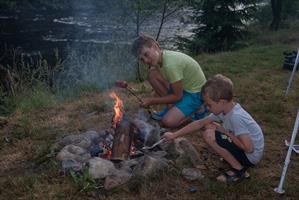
x=118 y=109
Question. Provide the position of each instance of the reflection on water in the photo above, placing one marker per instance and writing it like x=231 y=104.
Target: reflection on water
x=94 y=45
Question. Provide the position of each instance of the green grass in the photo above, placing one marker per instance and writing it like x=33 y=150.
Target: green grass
x=35 y=99
x=30 y=170
x=238 y=63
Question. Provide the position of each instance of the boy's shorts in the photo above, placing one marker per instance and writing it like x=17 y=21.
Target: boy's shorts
x=189 y=103
x=226 y=143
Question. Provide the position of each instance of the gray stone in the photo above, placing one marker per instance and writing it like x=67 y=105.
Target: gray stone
x=119 y=177
x=71 y=165
x=192 y=174
x=149 y=165
x=100 y=168
x=187 y=150
x=72 y=152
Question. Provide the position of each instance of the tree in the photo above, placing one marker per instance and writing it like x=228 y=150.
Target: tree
x=169 y=8
x=138 y=11
x=283 y=10
x=276 y=14
x=220 y=24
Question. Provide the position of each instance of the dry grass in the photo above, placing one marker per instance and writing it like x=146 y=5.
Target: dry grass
x=29 y=171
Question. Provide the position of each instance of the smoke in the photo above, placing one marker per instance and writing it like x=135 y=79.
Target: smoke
x=99 y=52
x=98 y=65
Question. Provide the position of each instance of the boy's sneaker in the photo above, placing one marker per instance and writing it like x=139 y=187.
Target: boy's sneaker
x=159 y=115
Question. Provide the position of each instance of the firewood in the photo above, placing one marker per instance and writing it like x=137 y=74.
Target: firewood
x=122 y=140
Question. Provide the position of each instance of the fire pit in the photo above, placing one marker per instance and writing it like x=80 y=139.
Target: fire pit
x=116 y=154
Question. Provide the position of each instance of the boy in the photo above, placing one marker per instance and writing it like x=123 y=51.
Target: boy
x=230 y=131
x=176 y=79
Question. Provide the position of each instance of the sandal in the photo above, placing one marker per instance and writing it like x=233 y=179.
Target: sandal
x=233 y=175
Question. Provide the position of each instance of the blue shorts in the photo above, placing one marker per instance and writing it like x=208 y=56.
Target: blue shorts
x=189 y=103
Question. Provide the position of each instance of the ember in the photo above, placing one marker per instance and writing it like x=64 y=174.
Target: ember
x=118 y=109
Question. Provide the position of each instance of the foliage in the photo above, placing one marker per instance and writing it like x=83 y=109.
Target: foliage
x=290 y=9
x=136 y=12
x=23 y=128
x=29 y=70
x=7 y=103
x=36 y=98
x=263 y=15
x=220 y=24
x=83 y=181
x=169 y=8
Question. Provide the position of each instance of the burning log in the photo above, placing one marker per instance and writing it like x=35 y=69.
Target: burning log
x=123 y=138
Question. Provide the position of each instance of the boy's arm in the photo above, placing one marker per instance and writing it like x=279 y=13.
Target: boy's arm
x=243 y=141
x=194 y=126
x=171 y=98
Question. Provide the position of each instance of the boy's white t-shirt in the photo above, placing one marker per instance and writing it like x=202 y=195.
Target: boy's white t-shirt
x=239 y=122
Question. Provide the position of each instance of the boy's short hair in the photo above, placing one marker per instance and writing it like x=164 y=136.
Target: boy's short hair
x=143 y=40
x=218 y=87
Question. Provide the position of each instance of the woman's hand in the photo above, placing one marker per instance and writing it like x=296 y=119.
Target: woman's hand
x=169 y=136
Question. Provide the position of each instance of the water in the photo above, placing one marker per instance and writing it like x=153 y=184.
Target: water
x=94 y=44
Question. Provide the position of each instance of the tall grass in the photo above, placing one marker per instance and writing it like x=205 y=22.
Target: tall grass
x=36 y=98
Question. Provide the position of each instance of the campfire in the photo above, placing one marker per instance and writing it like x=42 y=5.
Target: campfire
x=124 y=133
x=131 y=146
x=118 y=109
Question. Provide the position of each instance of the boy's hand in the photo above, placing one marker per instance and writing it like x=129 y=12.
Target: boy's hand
x=147 y=102
x=169 y=136
x=219 y=127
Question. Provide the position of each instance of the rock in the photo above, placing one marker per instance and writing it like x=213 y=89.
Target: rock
x=150 y=165
x=85 y=140
x=100 y=168
x=119 y=177
x=71 y=165
x=192 y=174
x=187 y=150
x=72 y=152
x=153 y=136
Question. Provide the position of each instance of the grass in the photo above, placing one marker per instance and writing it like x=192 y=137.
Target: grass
x=29 y=170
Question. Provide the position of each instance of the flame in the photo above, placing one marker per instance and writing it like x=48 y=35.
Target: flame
x=118 y=107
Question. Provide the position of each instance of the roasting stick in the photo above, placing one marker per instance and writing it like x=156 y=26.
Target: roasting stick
x=154 y=145
x=125 y=85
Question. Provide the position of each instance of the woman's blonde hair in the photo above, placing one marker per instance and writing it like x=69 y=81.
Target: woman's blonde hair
x=218 y=87
x=143 y=40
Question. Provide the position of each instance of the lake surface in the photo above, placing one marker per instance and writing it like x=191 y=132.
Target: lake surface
x=94 y=44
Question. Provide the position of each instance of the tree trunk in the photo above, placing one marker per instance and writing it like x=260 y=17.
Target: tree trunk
x=276 y=14
x=162 y=19
x=138 y=18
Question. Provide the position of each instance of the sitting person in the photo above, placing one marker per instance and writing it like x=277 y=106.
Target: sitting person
x=176 y=79
x=229 y=130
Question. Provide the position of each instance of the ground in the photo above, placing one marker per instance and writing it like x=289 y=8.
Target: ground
x=29 y=169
